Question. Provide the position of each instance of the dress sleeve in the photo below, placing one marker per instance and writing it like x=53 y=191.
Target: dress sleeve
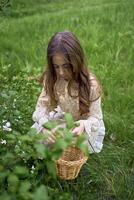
x=41 y=113
x=94 y=125
x=41 y=109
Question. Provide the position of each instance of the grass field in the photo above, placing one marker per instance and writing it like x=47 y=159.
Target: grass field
x=106 y=31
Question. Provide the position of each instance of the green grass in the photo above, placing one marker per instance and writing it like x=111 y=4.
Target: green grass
x=106 y=31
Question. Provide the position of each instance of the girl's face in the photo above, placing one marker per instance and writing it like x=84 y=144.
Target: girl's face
x=62 y=67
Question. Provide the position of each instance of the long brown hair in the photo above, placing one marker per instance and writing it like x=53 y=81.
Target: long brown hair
x=68 y=44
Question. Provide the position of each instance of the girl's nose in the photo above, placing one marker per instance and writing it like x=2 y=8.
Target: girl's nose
x=61 y=71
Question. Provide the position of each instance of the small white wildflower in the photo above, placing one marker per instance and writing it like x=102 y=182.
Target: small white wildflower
x=3 y=141
x=5 y=128
x=19 y=117
x=15 y=100
x=33 y=167
x=8 y=124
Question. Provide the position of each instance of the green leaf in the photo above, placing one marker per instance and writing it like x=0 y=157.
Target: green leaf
x=3 y=175
x=68 y=136
x=24 y=190
x=25 y=138
x=41 y=193
x=69 y=120
x=9 y=158
x=81 y=139
x=83 y=148
x=56 y=154
x=21 y=171
x=4 y=95
x=50 y=125
x=5 y=196
x=41 y=150
x=32 y=132
x=51 y=168
x=25 y=187
x=80 y=143
x=11 y=137
x=60 y=144
x=13 y=180
x=1 y=168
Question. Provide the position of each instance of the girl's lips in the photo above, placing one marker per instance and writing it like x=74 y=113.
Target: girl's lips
x=62 y=77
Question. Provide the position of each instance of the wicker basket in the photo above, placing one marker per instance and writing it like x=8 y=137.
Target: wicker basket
x=69 y=164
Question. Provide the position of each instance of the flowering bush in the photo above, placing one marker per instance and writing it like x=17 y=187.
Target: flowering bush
x=27 y=167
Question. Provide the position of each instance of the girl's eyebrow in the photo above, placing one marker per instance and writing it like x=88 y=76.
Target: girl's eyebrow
x=60 y=65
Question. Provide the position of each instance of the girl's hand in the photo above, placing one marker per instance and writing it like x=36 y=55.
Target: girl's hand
x=78 y=130
x=50 y=136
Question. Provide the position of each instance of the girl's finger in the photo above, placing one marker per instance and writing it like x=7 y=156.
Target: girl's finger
x=50 y=140
x=50 y=135
x=75 y=130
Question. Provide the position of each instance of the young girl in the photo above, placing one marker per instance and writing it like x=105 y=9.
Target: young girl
x=68 y=86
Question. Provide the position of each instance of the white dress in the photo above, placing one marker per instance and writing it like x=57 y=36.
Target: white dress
x=94 y=125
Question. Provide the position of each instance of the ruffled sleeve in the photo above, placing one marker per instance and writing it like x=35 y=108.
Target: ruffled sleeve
x=41 y=113
x=94 y=125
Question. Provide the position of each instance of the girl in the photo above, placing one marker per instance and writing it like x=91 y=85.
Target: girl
x=68 y=86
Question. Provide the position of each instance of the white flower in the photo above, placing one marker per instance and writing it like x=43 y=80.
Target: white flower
x=7 y=126
x=3 y=141
x=33 y=167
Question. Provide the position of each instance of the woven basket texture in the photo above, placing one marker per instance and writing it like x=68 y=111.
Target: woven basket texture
x=69 y=164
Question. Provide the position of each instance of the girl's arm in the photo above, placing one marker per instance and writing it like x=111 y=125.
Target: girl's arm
x=94 y=125
x=41 y=113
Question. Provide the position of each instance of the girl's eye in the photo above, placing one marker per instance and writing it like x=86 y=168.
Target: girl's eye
x=56 y=66
x=66 y=65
